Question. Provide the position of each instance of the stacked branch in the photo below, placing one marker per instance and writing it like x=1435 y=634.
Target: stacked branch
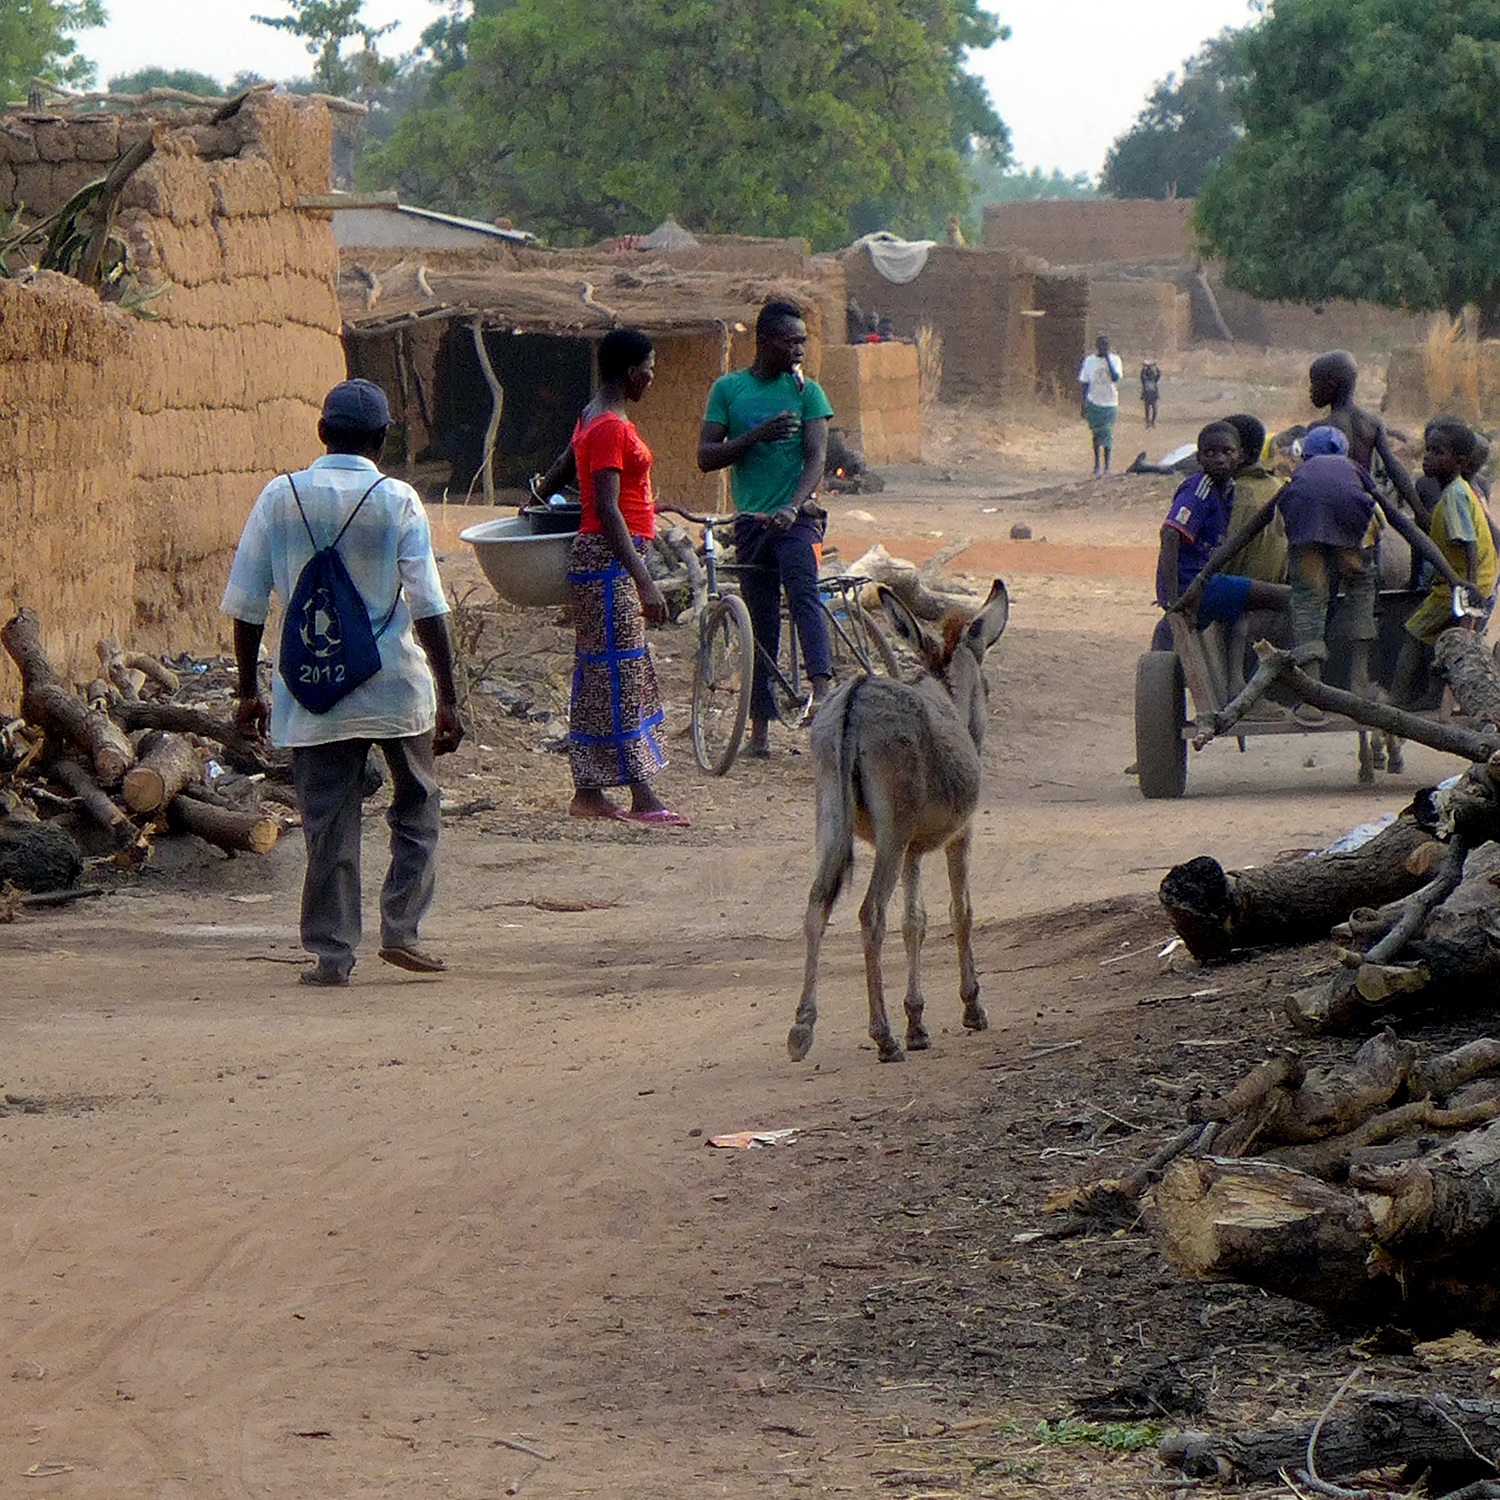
x=127 y=762
x=1415 y=908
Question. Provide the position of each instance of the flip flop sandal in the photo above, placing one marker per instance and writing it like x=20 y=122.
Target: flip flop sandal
x=613 y=815
x=658 y=817
x=413 y=960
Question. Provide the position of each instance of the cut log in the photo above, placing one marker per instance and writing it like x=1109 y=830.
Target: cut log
x=1292 y=901
x=166 y=765
x=64 y=715
x=921 y=596
x=241 y=832
x=95 y=802
x=1413 y=1243
x=253 y=757
x=1375 y=1430
x=1469 y=669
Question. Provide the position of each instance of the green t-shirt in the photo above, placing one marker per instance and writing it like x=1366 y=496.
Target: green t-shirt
x=764 y=479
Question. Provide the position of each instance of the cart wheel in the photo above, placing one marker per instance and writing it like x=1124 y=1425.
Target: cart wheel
x=721 y=683
x=1160 y=717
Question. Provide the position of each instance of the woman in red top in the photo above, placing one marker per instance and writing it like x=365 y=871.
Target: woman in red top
x=615 y=721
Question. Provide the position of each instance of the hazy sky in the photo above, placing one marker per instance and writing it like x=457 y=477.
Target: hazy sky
x=1070 y=79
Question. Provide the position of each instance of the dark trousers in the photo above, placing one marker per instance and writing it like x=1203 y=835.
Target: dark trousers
x=774 y=561
x=330 y=783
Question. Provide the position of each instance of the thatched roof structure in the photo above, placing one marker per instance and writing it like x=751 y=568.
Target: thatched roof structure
x=554 y=292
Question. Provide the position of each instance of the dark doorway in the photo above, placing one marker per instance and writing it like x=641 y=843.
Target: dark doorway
x=547 y=381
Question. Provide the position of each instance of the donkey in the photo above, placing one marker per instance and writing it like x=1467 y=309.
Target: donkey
x=898 y=764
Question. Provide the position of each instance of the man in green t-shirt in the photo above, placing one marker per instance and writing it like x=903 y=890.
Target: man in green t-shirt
x=768 y=426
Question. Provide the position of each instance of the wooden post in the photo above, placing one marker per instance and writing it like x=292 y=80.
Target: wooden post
x=497 y=405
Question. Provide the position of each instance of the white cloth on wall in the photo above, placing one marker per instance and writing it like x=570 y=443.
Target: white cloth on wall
x=1102 y=377
x=898 y=261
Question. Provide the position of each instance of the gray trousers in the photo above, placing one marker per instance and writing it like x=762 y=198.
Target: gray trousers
x=329 y=780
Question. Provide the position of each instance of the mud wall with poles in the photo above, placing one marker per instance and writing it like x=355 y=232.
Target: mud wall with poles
x=134 y=446
x=979 y=300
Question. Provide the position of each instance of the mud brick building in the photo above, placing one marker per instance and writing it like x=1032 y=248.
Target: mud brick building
x=131 y=448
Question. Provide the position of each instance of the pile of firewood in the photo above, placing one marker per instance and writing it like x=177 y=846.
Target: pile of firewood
x=128 y=757
x=1368 y=1187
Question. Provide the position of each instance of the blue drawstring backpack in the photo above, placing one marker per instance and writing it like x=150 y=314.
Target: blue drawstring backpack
x=327 y=646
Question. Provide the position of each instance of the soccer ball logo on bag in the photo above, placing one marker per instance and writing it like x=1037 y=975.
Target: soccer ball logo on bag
x=320 y=626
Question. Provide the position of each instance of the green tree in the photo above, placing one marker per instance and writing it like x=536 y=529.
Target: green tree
x=586 y=117
x=1367 y=168
x=166 y=78
x=325 y=25
x=36 y=41
x=996 y=181
x=1187 y=125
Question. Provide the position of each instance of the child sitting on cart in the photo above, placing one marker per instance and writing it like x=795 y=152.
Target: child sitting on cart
x=1462 y=533
x=1330 y=509
x=1196 y=524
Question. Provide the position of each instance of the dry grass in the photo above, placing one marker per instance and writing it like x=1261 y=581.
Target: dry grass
x=929 y=369
x=1453 y=367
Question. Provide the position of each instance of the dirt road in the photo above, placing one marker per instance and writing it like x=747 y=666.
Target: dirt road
x=463 y=1237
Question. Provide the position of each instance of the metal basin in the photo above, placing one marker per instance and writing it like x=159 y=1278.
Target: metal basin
x=524 y=568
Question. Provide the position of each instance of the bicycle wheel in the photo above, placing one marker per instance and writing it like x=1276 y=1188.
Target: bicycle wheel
x=856 y=642
x=721 y=683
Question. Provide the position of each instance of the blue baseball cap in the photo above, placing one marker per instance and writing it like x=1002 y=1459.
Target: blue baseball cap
x=356 y=406
x=1321 y=441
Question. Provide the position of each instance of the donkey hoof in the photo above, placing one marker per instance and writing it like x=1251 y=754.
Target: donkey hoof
x=1367 y=775
x=890 y=1049
x=1395 y=762
x=975 y=1019
x=917 y=1039
x=799 y=1041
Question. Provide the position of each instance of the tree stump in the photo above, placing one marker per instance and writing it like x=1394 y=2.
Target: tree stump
x=168 y=763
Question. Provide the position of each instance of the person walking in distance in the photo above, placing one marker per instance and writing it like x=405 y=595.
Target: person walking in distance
x=408 y=706
x=1099 y=378
x=1151 y=391
x=768 y=425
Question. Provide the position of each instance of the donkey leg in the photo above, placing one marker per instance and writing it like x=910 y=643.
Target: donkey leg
x=872 y=927
x=913 y=931
x=962 y=914
x=1366 y=759
x=827 y=882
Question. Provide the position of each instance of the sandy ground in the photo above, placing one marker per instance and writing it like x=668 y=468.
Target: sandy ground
x=462 y=1237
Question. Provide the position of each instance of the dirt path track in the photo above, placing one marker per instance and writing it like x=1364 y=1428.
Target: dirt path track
x=272 y=1241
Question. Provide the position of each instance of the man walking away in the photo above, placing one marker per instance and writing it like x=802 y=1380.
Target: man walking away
x=1099 y=378
x=408 y=706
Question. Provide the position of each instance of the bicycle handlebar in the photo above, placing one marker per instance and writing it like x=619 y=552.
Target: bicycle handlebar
x=687 y=515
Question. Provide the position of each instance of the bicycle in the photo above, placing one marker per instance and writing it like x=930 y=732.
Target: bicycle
x=727 y=652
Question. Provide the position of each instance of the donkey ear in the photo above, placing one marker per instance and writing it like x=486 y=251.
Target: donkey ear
x=904 y=621
x=989 y=624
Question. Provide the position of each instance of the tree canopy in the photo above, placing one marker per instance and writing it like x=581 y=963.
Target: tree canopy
x=586 y=118
x=325 y=25
x=1367 y=168
x=1188 y=123
x=36 y=41
x=185 y=79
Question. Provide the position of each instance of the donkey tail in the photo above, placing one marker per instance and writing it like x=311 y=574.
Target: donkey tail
x=837 y=807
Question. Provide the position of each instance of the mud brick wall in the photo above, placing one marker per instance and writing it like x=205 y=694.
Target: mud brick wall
x=1062 y=333
x=66 y=532
x=672 y=412
x=1140 y=318
x=1325 y=325
x=974 y=298
x=207 y=401
x=876 y=399
x=1086 y=231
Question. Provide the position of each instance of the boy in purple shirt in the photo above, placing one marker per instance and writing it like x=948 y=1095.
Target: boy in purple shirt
x=1196 y=524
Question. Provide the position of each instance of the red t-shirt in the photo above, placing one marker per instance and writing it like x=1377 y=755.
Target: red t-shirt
x=610 y=442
